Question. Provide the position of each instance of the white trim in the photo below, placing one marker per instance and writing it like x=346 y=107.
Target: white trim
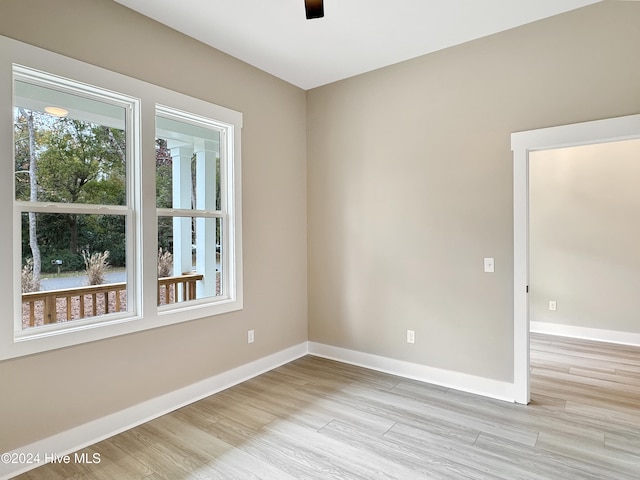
x=598 y=131
x=79 y=437
x=587 y=333
x=521 y=276
x=485 y=387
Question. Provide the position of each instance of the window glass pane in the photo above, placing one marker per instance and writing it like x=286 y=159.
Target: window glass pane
x=189 y=258
x=77 y=154
x=164 y=180
x=187 y=165
x=75 y=270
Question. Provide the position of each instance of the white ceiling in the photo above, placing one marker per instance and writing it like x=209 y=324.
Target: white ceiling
x=355 y=36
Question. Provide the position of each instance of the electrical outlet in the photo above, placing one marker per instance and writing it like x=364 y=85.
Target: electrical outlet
x=411 y=336
x=250 y=336
x=552 y=305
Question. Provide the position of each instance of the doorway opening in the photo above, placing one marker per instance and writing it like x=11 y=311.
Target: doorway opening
x=522 y=144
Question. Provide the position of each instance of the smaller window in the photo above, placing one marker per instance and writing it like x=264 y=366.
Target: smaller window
x=193 y=195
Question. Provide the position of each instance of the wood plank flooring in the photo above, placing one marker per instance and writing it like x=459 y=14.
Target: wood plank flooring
x=318 y=419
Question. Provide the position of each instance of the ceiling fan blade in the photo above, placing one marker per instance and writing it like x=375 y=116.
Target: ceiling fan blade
x=314 y=8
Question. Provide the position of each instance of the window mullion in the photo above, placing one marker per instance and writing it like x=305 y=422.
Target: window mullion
x=83 y=208
x=183 y=212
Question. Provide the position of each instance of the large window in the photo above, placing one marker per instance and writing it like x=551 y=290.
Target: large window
x=72 y=156
x=125 y=204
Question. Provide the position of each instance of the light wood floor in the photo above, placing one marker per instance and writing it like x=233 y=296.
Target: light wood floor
x=319 y=419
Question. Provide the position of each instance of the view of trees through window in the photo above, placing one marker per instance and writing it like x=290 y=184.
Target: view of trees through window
x=73 y=162
x=66 y=166
x=60 y=160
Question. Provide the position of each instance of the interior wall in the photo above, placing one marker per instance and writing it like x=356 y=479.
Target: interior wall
x=584 y=230
x=51 y=392
x=410 y=183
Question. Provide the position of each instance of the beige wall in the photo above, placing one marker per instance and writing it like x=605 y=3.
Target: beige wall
x=410 y=183
x=584 y=229
x=51 y=392
x=409 y=186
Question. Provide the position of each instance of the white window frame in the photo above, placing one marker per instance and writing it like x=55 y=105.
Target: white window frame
x=226 y=212
x=147 y=315
x=131 y=107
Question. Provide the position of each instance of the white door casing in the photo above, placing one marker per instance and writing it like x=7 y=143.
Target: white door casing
x=598 y=131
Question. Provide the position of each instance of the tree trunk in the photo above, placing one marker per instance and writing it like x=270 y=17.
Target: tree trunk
x=116 y=146
x=72 y=220
x=33 y=196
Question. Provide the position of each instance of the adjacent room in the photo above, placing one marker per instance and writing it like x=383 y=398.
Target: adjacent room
x=304 y=238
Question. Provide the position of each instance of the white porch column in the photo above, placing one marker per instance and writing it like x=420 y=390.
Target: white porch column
x=206 y=156
x=181 y=175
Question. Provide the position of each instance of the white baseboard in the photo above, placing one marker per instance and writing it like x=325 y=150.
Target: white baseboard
x=586 y=333
x=458 y=381
x=89 y=433
x=69 y=441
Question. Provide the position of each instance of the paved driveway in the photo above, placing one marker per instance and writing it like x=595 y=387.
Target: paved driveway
x=58 y=283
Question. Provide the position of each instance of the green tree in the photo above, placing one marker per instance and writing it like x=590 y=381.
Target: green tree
x=164 y=193
x=82 y=163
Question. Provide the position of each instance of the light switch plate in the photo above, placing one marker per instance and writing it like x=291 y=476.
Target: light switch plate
x=489 y=265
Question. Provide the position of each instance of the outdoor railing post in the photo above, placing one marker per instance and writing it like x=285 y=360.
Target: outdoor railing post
x=50 y=310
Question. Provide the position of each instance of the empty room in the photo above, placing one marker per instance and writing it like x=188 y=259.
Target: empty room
x=338 y=239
